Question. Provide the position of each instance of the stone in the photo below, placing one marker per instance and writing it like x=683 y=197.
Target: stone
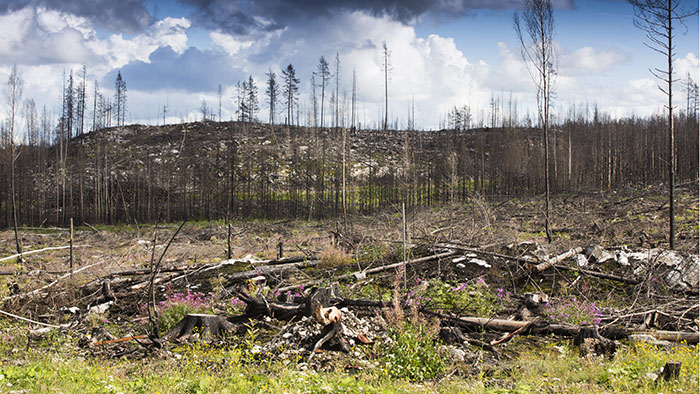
x=598 y=254
x=581 y=260
x=480 y=262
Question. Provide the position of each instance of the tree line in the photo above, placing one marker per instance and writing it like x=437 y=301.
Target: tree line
x=214 y=170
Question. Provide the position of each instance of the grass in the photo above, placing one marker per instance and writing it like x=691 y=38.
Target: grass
x=56 y=365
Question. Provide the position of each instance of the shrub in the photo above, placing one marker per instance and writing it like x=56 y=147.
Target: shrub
x=464 y=298
x=177 y=305
x=412 y=354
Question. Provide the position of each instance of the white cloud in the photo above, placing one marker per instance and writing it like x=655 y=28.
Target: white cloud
x=430 y=69
x=229 y=43
x=167 y=32
x=587 y=61
x=686 y=65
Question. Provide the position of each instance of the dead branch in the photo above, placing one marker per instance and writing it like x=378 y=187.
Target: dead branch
x=36 y=291
x=554 y=261
x=39 y=251
x=30 y=320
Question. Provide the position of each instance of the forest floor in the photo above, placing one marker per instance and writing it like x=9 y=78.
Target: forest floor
x=408 y=349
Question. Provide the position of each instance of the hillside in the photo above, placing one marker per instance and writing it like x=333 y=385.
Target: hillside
x=211 y=170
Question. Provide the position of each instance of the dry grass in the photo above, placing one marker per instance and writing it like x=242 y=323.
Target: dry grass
x=333 y=256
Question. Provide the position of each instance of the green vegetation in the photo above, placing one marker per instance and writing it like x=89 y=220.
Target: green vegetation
x=467 y=299
x=412 y=354
x=178 y=305
x=412 y=363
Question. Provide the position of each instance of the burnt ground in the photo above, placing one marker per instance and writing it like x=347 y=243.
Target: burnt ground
x=636 y=220
x=626 y=222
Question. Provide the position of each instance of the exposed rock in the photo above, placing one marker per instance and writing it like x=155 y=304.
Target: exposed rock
x=598 y=254
x=581 y=260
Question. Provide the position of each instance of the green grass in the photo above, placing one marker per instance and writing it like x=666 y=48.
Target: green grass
x=57 y=364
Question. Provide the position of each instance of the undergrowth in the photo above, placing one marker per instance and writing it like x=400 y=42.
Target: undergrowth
x=57 y=364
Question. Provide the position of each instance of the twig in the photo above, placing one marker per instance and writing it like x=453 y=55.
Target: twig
x=50 y=284
x=511 y=334
x=155 y=270
x=30 y=320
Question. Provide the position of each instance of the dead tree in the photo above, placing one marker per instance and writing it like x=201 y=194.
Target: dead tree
x=13 y=92
x=324 y=73
x=386 y=68
x=656 y=18
x=536 y=35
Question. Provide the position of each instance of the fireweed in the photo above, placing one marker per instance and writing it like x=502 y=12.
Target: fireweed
x=573 y=311
x=178 y=305
x=464 y=298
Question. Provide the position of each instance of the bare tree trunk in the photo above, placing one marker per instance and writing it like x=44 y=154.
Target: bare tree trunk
x=671 y=140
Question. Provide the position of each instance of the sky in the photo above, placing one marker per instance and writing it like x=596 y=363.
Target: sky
x=443 y=53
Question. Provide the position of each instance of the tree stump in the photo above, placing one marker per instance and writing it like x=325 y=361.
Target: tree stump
x=207 y=326
x=590 y=343
x=672 y=370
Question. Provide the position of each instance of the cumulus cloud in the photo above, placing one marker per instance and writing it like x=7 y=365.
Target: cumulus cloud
x=688 y=65
x=31 y=36
x=42 y=36
x=169 y=32
x=587 y=60
x=192 y=71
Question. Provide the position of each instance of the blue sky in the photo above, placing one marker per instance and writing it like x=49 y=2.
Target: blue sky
x=444 y=53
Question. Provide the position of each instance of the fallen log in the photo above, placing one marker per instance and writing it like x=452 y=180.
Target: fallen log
x=21 y=295
x=601 y=275
x=119 y=340
x=363 y=273
x=534 y=327
x=399 y=264
x=235 y=278
x=568 y=329
x=554 y=261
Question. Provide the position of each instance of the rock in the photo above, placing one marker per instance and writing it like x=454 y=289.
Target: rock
x=684 y=275
x=651 y=376
x=669 y=258
x=480 y=262
x=598 y=254
x=101 y=308
x=457 y=354
x=581 y=260
x=622 y=259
